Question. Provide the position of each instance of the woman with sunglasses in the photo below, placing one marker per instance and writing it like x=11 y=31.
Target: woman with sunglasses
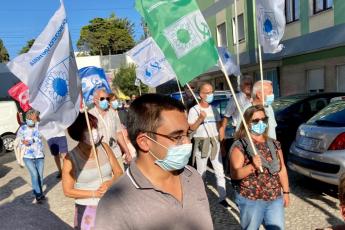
x=260 y=181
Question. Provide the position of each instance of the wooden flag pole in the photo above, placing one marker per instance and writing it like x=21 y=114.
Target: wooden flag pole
x=237 y=46
x=260 y=57
x=92 y=141
x=239 y=108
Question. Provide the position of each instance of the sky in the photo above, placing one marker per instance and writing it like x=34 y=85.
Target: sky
x=22 y=20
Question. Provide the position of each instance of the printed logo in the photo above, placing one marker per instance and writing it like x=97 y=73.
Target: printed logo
x=268 y=25
x=188 y=33
x=55 y=87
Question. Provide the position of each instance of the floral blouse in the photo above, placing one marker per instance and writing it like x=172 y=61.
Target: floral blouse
x=31 y=134
x=259 y=186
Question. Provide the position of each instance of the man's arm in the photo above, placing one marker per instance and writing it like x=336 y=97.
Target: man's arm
x=122 y=143
x=194 y=126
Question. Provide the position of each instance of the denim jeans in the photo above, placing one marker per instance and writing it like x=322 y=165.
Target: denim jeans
x=253 y=213
x=35 y=167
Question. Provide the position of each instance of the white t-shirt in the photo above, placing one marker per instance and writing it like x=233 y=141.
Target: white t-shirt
x=209 y=127
x=232 y=111
x=272 y=124
x=108 y=127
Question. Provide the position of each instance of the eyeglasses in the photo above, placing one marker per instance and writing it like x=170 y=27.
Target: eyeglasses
x=178 y=139
x=264 y=120
x=104 y=98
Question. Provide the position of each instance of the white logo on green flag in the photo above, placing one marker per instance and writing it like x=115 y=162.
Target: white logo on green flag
x=190 y=32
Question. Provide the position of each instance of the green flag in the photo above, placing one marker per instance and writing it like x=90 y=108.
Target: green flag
x=183 y=35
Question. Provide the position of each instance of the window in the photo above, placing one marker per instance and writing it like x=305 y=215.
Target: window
x=316 y=80
x=221 y=35
x=322 y=5
x=341 y=78
x=291 y=10
x=240 y=28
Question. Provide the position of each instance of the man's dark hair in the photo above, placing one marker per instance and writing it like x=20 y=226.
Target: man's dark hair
x=145 y=113
x=79 y=126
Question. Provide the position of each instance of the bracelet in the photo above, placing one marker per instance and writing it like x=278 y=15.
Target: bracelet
x=286 y=192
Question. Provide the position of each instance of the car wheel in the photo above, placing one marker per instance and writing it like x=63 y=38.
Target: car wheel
x=2 y=147
x=8 y=141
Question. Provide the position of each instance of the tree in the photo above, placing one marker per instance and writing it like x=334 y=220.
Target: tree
x=106 y=36
x=4 y=56
x=124 y=80
x=27 y=47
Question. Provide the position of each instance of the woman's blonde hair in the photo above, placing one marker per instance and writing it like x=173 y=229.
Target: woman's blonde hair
x=248 y=114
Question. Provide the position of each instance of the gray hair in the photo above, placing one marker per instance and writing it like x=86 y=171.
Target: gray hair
x=97 y=91
x=257 y=86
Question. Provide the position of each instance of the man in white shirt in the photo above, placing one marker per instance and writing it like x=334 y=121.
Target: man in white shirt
x=109 y=126
x=244 y=100
x=268 y=98
x=205 y=121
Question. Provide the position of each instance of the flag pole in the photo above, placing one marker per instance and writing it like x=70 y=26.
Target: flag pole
x=260 y=57
x=261 y=74
x=92 y=141
x=139 y=86
x=179 y=88
x=237 y=45
x=239 y=108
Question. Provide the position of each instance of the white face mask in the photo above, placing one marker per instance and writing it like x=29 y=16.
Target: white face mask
x=95 y=135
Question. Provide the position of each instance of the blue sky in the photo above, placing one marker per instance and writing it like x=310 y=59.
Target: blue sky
x=22 y=20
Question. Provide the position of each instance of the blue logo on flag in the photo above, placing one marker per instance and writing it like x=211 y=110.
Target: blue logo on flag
x=152 y=68
x=269 y=26
x=55 y=86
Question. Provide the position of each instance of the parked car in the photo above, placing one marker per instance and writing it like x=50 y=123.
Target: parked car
x=319 y=148
x=8 y=123
x=291 y=111
x=221 y=104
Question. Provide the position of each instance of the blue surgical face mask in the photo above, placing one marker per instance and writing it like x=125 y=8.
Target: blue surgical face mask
x=258 y=128
x=115 y=104
x=30 y=122
x=209 y=98
x=103 y=104
x=177 y=156
x=269 y=100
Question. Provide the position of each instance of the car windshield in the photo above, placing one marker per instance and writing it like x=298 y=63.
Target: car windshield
x=332 y=116
x=284 y=102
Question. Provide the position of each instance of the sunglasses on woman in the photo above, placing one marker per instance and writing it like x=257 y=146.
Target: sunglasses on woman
x=264 y=120
x=104 y=98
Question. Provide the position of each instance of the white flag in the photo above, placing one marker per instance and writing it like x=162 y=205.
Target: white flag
x=229 y=62
x=270 y=24
x=50 y=71
x=152 y=67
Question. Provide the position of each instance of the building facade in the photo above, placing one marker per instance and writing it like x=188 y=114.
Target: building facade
x=313 y=59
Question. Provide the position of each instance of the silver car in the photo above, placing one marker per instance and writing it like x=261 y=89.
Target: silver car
x=319 y=148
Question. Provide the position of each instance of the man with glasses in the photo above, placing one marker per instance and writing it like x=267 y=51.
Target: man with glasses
x=158 y=190
x=205 y=120
x=109 y=126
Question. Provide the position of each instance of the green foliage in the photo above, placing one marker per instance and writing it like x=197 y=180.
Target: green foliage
x=124 y=80
x=4 y=56
x=27 y=47
x=106 y=36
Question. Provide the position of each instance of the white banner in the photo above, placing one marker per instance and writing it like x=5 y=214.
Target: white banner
x=50 y=71
x=152 y=67
x=229 y=62
x=270 y=24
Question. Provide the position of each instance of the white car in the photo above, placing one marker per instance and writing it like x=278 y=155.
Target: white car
x=8 y=124
x=319 y=148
